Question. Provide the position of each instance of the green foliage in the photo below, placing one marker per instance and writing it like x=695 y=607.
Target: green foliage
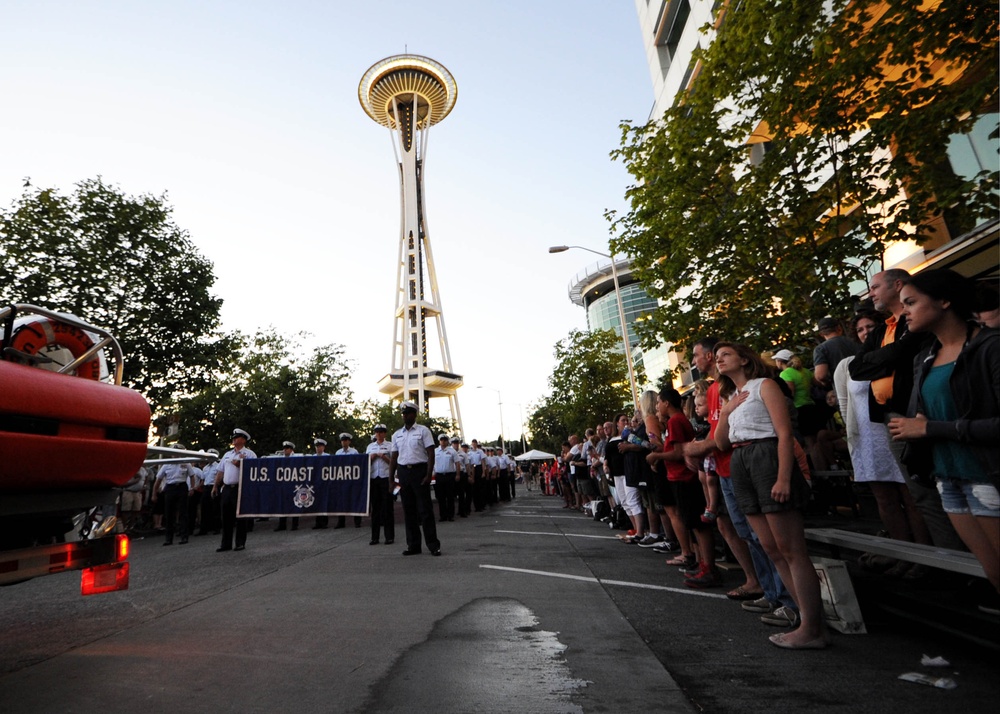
x=270 y=386
x=121 y=263
x=277 y=390
x=369 y=413
x=589 y=384
x=759 y=252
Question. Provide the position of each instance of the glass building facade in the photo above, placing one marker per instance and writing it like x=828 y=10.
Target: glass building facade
x=593 y=289
x=602 y=310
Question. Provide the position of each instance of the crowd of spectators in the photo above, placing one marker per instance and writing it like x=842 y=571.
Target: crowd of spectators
x=907 y=399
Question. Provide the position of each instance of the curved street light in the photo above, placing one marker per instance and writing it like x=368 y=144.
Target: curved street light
x=500 y=403
x=621 y=312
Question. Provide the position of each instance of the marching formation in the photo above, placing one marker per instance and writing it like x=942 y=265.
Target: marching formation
x=202 y=499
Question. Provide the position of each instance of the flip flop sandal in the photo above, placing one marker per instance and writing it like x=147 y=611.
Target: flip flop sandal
x=741 y=594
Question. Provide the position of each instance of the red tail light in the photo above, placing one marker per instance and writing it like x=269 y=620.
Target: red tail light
x=104 y=579
x=121 y=547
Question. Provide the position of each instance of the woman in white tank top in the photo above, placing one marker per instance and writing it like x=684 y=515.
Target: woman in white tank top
x=755 y=422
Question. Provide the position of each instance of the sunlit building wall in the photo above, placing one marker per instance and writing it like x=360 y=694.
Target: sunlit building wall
x=671 y=32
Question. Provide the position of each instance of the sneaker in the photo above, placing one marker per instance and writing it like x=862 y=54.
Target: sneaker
x=650 y=540
x=705 y=578
x=758 y=605
x=781 y=617
x=665 y=547
x=691 y=566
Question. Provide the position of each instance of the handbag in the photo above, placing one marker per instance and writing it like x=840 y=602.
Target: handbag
x=918 y=458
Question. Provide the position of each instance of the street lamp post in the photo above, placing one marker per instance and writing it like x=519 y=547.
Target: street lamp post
x=500 y=403
x=524 y=444
x=621 y=313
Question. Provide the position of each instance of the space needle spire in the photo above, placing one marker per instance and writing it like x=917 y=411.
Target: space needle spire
x=408 y=94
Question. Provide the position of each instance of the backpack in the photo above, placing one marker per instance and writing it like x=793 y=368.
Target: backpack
x=619 y=519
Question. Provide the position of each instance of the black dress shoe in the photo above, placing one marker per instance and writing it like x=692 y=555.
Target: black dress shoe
x=184 y=541
x=320 y=528
x=390 y=541
x=281 y=528
x=373 y=542
x=222 y=550
x=436 y=552
x=239 y=547
x=411 y=552
x=338 y=526
x=168 y=542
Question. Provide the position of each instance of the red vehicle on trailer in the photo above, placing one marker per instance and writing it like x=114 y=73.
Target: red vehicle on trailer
x=70 y=437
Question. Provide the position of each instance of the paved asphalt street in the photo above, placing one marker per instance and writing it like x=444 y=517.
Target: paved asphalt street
x=531 y=608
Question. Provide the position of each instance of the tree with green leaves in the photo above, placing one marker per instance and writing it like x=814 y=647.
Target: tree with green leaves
x=370 y=412
x=589 y=384
x=119 y=262
x=813 y=135
x=278 y=390
x=274 y=388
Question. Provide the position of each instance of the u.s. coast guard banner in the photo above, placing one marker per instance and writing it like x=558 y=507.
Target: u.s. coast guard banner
x=304 y=485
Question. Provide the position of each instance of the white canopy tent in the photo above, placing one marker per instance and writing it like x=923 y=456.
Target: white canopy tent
x=535 y=455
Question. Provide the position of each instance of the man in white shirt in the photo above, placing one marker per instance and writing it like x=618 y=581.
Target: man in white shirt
x=445 y=478
x=209 y=506
x=381 y=487
x=476 y=457
x=463 y=491
x=503 y=476
x=287 y=449
x=490 y=476
x=227 y=481
x=346 y=449
x=177 y=480
x=322 y=522
x=413 y=465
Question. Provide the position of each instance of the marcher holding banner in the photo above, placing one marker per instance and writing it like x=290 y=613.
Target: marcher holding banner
x=227 y=480
x=413 y=464
x=346 y=449
x=379 y=457
x=321 y=521
x=287 y=450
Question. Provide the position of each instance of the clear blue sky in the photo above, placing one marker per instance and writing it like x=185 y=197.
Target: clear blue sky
x=246 y=115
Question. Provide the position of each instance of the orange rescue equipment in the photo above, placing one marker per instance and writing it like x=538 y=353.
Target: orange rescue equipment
x=58 y=432
x=37 y=333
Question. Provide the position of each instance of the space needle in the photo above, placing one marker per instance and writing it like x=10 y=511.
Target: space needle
x=408 y=94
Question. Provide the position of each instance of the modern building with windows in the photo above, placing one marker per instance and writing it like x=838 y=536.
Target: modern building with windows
x=593 y=289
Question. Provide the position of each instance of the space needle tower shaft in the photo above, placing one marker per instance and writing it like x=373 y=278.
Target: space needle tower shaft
x=408 y=94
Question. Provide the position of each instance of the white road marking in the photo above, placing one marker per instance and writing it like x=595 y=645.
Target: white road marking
x=621 y=583
x=535 y=515
x=564 y=535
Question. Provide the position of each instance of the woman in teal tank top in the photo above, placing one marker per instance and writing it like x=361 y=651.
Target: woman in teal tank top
x=956 y=408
